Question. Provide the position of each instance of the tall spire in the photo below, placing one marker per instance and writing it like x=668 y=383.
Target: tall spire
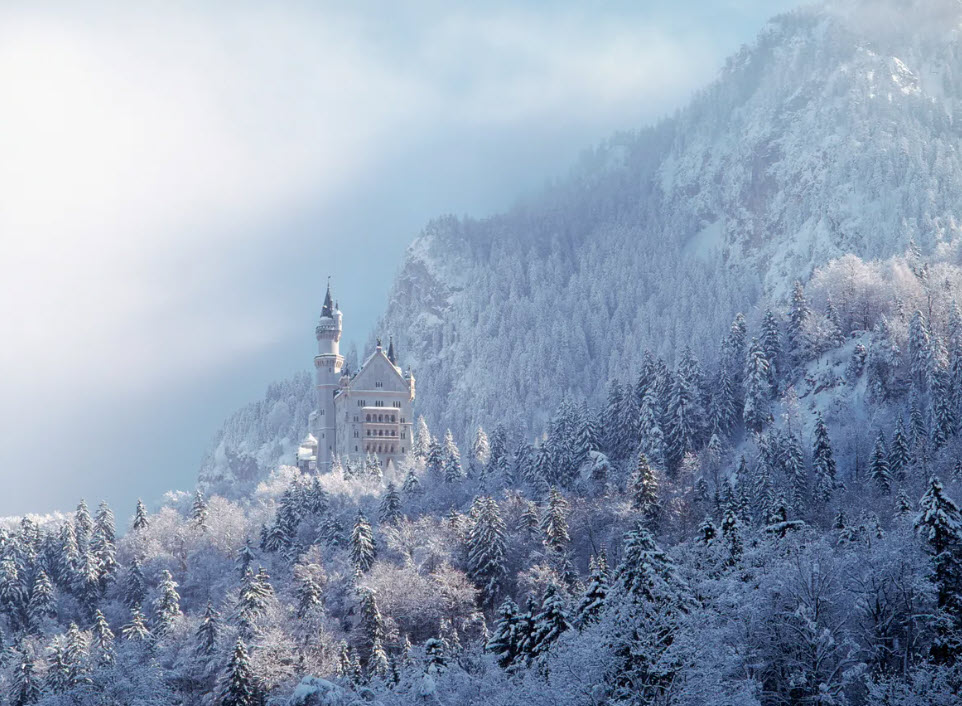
x=328 y=309
x=390 y=352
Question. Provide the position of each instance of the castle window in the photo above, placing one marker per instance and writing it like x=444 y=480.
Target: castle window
x=369 y=417
x=393 y=418
x=379 y=384
x=404 y=435
x=321 y=412
x=392 y=449
x=380 y=417
x=402 y=420
x=355 y=449
x=402 y=449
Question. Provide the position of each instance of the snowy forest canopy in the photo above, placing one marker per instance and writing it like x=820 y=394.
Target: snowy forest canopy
x=774 y=526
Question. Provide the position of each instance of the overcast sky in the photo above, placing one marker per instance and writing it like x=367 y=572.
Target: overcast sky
x=177 y=180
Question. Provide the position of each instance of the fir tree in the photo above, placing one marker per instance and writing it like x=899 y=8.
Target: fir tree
x=371 y=629
x=199 y=510
x=412 y=484
x=167 y=605
x=554 y=522
x=505 y=641
x=480 y=449
x=141 y=522
x=550 y=623
x=756 y=413
x=363 y=546
x=102 y=544
x=899 y=454
x=244 y=557
x=707 y=532
x=103 y=639
x=823 y=461
x=390 y=510
x=422 y=440
x=732 y=532
x=207 y=632
x=435 y=459
x=453 y=473
x=240 y=686
x=798 y=316
x=644 y=488
x=25 y=686
x=486 y=549
x=771 y=347
x=83 y=524
x=136 y=630
x=593 y=601
x=306 y=588
x=920 y=351
x=879 y=465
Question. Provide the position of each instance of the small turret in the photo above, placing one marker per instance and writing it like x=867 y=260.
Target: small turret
x=391 y=356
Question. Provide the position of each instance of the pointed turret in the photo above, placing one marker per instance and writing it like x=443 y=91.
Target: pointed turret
x=391 y=356
x=329 y=308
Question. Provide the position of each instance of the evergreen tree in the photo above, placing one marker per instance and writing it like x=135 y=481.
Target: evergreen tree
x=102 y=544
x=554 y=522
x=40 y=606
x=756 y=413
x=83 y=525
x=644 y=488
x=823 y=461
x=798 y=316
x=593 y=601
x=943 y=411
x=422 y=440
x=505 y=641
x=199 y=510
x=25 y=686
x=167 y=605
x=794 y=464
x=879 y=465
x=611 y=421
x=453 y=473
x=707 y=532
x=723 y=411
x=240 y=686
x=732 y=532
x=682 y=417
x=363 y=546
x=208 y=631
x=939 y=522
x=245 y=556
x=920 y=351
x=390 y=510
x=412 y=484
x=771 y=347
x=75 y=657
x=480 y=449
x=136 y=630
x=587 y=437
x=141 y=522
x=371 y=629
x=103 y=639
x=486 y=549
x=899 y=453
x=306 y=589
x=255 y=595
x=435 y=459
x=550 y=623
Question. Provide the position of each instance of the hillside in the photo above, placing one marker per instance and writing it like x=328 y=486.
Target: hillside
x=834 y=133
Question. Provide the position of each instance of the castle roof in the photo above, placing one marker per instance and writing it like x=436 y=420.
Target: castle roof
x=328 y=310
x=391 y=356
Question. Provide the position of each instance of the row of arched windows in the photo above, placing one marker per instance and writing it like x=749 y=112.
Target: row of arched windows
x=381 y=418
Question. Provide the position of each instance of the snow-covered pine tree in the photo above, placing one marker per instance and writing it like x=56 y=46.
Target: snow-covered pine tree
x=643 y=487
x=207 y=632
x=899 y=452
x=25 y=687
x=593 y=601
x=486 y=549
x=136 y=630
x=772 y=346
x=550 y=623
x=823 y=461
x=422 y=440
x=412 y=484
x=389 y=512
x=756 y=414
x=480 y=450
x=167 y=605
x=141 y=521
x=798 y=316
x=879 y=466
x=103 y=640
x=920 y=352
x=505 y=641
x=363 y=545
x=41 y=603
x=199 y=510
x=554 y=522
x=240 y=686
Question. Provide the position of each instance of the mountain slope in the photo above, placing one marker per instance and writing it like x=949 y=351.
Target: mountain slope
x=834 y=133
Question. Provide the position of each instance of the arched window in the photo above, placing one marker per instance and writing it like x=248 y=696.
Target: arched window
x=369 y=417
x=392 y=449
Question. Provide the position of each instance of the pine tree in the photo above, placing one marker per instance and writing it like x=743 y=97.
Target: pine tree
x=167 y=605
x=682 y=416
x=879 y=466
x=836 y=332
x=611 y=421
x=306 y=588
x=136 y=630
x=707 y=532
x=794 y=464
x=723 y=412
x=920 y=351
x=103 y=639
x=480 y=449
x=244 y=558
x=554 y=522
x=587 y=437
x=453 y=473
x=550 y=623
x=593 y=601
x=823 y=461
x=422 y=440
x=103 y=546
x=363 y=545
x=486 y=549
x=370 y=627
x=943 y=411
x=141 y=522
x=199 y=510
x=58 y=672
x=83 y=525
x=390 y=510
x=505 y=641
x=732 y=532
x=798 y=316
x=644 y=488
x=412 y=484
x=40 y=606
x=435 y=459
x=899 y=453
x=772 y=347
x=756 y=414
x=25 y=686
x=75 y=657
x=240 y=686
x=208 y=631
x=939 y=522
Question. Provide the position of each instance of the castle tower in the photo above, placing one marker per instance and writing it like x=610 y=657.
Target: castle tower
x=327 y=364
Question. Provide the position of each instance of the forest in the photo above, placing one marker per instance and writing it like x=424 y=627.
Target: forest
x=778 y=525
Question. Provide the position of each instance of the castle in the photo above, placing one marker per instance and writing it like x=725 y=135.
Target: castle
x=368 y=412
